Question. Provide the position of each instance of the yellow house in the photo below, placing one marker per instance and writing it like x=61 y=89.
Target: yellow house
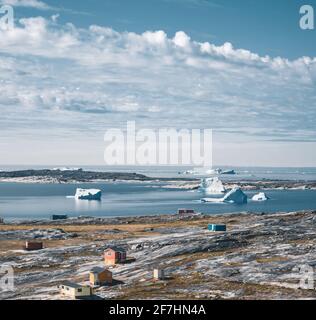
x=100 y=276
x=74 y=290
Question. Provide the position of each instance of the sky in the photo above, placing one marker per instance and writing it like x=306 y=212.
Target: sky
x=69 y=70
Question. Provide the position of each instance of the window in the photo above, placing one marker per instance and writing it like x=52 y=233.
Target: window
x=79 y=290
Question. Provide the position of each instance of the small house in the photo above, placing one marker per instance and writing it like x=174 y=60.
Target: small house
x=100 y=276
x=32 y=246
x=74 y=290
x=59 y=217
x=217 y=227
x=159 y=274
x=186 y=212
x=114 y=255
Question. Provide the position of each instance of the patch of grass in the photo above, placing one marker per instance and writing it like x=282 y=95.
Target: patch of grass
x=271 y=259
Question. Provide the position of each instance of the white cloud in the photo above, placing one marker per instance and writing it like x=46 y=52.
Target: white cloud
x=26 y=3
x=83 y=80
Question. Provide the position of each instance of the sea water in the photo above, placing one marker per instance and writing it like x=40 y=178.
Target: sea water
x=39 y=201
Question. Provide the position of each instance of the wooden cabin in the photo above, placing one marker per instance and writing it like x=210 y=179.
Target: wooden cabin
x=114 y=255
x=74 y=290
x=32 y=246
x=100 y=276
x=186 y=213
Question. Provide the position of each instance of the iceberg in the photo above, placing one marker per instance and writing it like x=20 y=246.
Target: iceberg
x=228 y=172
x=88 y=194
x=212 y=186
x=214 y=200
x=260 y=197
x=236 y=196
x=203 y=171
x=67 y=169
x=214 y=171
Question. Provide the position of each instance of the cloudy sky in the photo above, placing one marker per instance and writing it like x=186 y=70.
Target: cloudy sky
x=71 y=69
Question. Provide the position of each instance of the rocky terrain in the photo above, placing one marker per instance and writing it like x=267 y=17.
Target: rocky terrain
x=66 y=176
x=259 y=257
x=180 y=183
x=250 y=185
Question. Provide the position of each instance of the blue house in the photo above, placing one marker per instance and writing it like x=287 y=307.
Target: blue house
x=217 y=227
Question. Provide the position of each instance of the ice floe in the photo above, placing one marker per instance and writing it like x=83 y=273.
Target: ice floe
x=260 y=197
x=88 y=194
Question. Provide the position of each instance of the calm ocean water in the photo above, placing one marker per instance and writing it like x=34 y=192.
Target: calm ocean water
x=29 y=201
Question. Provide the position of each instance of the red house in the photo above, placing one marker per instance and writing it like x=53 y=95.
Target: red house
x=32 y=246
x=114 y=255
x=186 y=212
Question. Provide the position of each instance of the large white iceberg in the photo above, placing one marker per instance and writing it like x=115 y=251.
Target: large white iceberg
x=212 y=186
x=88 y=194
x=236 y=196
x=260 y=197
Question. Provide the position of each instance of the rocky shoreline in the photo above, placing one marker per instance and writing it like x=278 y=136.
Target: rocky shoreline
x=179 y=183
x=66 y=176
x=250 y=185
x=259 y=257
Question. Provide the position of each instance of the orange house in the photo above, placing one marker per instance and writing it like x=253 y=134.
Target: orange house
x=99 y=276
x=114 y=255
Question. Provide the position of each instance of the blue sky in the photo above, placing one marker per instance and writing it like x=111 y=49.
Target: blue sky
x=71 y=69
x=265 y=27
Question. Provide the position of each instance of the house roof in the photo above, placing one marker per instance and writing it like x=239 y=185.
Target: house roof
x=115 y=248
x=98 y=270
x=71 y=284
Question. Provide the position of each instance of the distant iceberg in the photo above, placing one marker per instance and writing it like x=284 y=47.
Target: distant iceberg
x=88 y=194
x=221 y=171
x=260 y=197
x=236 y=196
x=212 y=186
x=214 y=171
x=209 y=171
x=203 y=171
x=228 y=172
x=67 y=169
